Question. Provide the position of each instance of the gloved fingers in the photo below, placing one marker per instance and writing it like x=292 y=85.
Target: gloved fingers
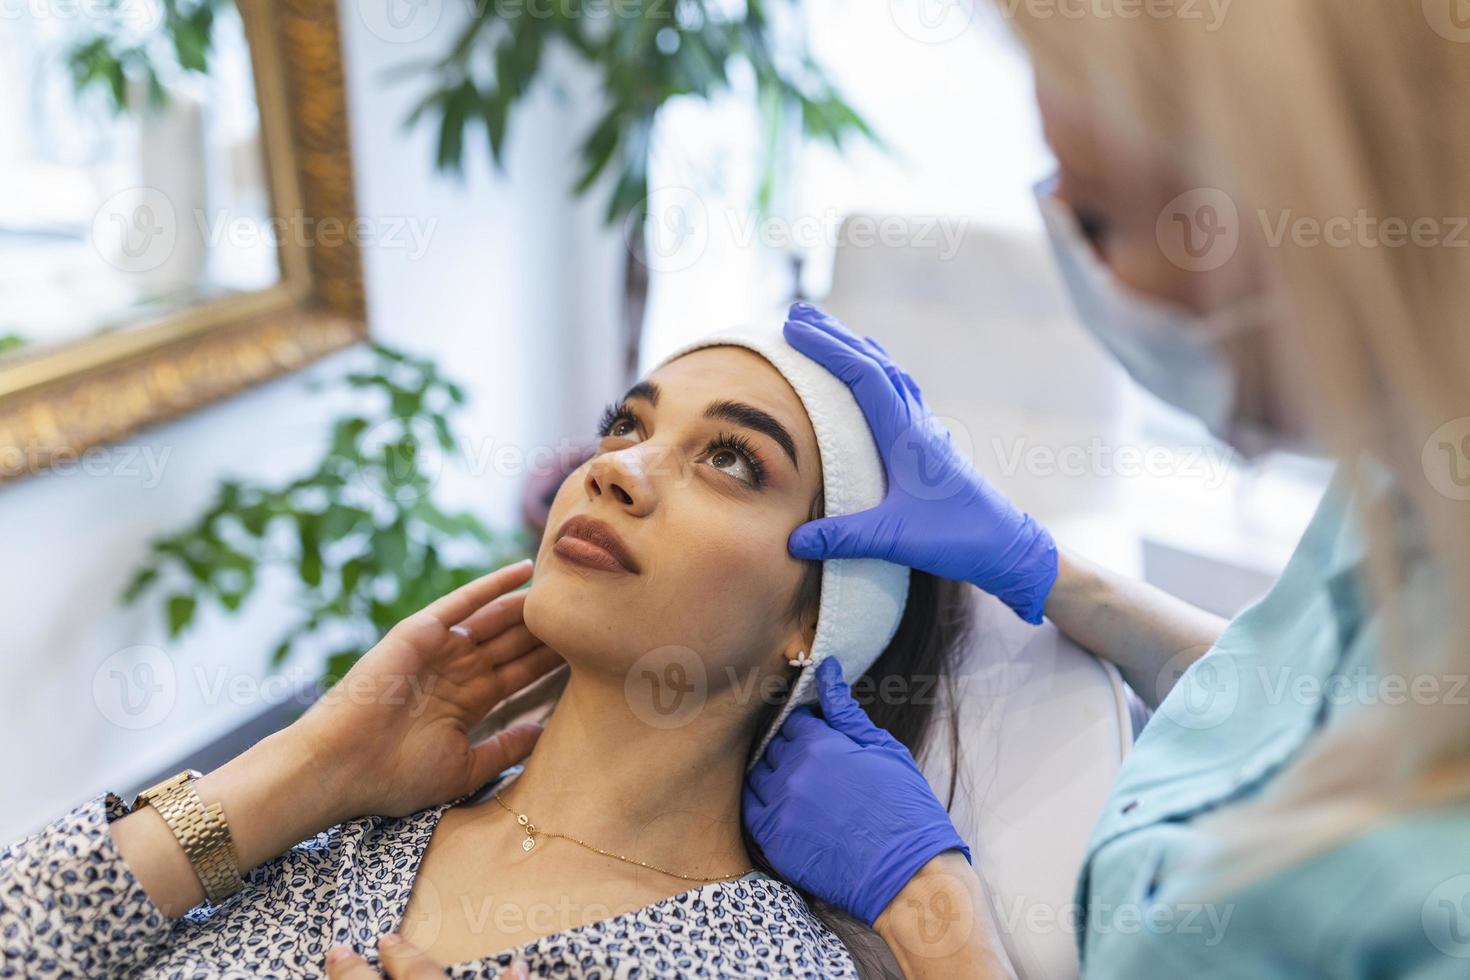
x=813 y=316
x=837 y=537
x=803 y=723
x=831 y=326
x=900 y=378
x=760 y=780
x=885 y=407
x=753 y=797
x=911 y=385
x=779 y=750
x=838 y=707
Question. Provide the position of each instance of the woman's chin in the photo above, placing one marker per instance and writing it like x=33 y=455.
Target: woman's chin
x=561 y=612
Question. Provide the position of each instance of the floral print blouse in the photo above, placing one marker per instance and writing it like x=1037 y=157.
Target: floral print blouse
x=71 y=907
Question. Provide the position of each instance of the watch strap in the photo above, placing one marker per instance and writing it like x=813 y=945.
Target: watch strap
x=200 y=830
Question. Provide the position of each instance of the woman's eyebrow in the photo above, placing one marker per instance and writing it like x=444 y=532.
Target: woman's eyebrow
x=750 y=417
x=646 y=390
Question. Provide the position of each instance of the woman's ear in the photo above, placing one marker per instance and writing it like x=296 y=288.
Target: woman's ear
x=796 y=651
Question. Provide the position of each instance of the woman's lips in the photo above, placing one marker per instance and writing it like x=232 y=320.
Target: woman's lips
x=592 y=543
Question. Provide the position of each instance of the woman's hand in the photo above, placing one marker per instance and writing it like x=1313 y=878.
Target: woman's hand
x=940 y=515
x=391 y=737
x=839 y=806
x=402 y=961
x=394 y=732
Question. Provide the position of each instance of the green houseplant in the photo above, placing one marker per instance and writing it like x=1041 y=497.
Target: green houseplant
x=361 y=531
x=644 y=53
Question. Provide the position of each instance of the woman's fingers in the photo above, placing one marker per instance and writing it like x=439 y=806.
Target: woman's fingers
x=523 y=670
x=501 y=751
x=401 y=961
x=404 y=961
x=464 y=600
x=493 y=618
x=344 y=964
x=510 y=645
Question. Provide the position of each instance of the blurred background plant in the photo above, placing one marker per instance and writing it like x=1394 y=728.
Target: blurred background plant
x=644 y=54
x=122 y=47
x=361 y=533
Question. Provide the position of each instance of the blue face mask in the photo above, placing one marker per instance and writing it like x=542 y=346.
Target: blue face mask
x=1171 y=351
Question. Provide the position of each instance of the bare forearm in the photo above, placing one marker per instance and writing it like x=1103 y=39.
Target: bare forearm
x=941 y=925
x=275 y=794
x=1150 y=635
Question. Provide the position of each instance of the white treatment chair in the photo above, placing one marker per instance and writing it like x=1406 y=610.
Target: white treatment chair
x=1043 y=728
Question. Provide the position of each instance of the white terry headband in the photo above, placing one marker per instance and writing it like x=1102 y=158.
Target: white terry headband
x=862 y=598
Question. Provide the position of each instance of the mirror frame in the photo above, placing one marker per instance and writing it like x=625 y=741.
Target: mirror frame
x=56 y=404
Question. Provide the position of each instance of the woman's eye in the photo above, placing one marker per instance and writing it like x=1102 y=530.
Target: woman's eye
x=735 y=457
x=617 y=422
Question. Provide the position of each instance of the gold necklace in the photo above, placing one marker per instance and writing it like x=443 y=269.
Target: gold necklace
x=532 y=830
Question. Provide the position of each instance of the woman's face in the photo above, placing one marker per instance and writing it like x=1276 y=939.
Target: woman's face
x=702 y=472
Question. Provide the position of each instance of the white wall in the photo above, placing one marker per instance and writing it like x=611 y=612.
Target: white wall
x=515 y=294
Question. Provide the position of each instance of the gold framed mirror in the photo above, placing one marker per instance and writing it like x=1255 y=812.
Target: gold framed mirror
x=167 y=302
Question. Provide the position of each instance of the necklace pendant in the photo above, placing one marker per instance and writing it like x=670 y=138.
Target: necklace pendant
x=528 y=843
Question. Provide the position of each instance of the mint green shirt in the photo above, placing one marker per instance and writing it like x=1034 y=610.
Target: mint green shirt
x=1392 y=900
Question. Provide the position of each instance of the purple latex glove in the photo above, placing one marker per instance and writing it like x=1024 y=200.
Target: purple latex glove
x=940 y=515
x=840 y=808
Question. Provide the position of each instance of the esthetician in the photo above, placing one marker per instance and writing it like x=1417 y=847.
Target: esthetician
x=1260 y=222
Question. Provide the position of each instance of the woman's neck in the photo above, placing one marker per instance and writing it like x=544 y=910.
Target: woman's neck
x=605 y=772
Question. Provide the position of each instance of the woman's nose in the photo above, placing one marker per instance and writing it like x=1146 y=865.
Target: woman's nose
x=625 y=478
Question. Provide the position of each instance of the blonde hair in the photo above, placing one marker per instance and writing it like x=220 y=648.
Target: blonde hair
x=1319 y=109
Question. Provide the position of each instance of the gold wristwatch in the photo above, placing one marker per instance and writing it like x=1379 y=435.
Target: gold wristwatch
x=201 y=831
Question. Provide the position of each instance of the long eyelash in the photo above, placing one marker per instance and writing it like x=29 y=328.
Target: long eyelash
x=612 y=414
x=738 y=443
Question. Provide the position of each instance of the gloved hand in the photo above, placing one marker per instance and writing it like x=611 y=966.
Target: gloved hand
x=940 y=515
x=840 y=808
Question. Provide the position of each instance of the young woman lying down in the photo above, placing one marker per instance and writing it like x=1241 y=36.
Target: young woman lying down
x=617 y=849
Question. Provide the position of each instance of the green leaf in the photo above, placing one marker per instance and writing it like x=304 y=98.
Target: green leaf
x=598 y=149
x=457 y=108
x=281 y=652
x=144 y=577
x=180 y=614
x=309 y=562
x=495 y=110
x=338 y=664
